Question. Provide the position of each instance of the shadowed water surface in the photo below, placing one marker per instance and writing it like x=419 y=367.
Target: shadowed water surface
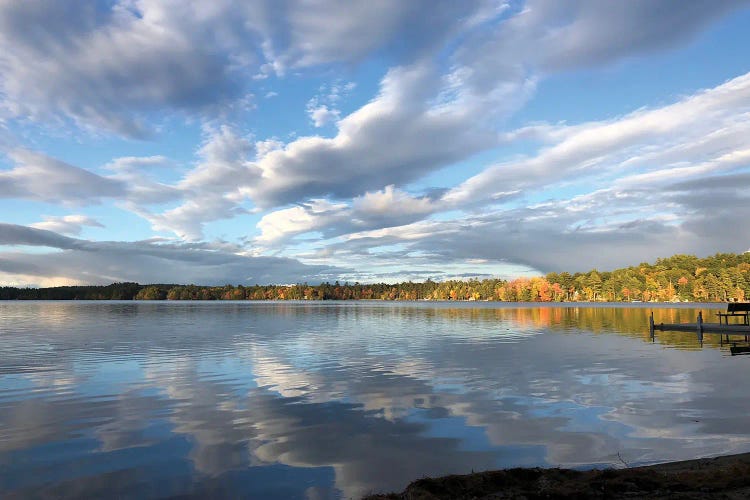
x=330 y=400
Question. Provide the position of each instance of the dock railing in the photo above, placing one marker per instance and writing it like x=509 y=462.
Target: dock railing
x=735 y=310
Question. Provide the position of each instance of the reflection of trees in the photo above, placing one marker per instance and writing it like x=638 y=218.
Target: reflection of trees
x=630 y=321
x=594 y=318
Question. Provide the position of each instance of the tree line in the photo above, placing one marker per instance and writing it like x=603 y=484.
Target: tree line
x=721 y=277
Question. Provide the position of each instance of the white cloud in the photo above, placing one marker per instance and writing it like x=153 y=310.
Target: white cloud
x=130 y=164
x=315 y=215
x=262 y=148
x=377 y=209
x=68 y=224
x=322 y=115
x=322 y=109
x=391 y=202
x=211 y=190
x=708 y=129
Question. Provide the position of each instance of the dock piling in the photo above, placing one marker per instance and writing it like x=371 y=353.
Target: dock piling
x=651 y=326
x=700 y=326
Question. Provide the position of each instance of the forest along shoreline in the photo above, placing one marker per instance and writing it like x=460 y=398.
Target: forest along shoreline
x=724 y=477
x=681 y=278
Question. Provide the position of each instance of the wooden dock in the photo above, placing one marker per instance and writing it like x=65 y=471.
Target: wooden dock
x=701 y=328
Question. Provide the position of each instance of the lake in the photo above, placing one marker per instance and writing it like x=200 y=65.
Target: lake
x=335 y=400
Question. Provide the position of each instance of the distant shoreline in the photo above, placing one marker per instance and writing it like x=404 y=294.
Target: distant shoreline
x=721 y=477
x=677 y=279
x=562 y=303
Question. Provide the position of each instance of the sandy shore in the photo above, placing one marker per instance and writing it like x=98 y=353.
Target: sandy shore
x=725 y=477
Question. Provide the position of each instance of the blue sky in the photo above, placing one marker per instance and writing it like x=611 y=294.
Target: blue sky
x=287 y=141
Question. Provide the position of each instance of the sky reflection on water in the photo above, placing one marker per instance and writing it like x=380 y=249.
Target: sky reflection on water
x=300 y=400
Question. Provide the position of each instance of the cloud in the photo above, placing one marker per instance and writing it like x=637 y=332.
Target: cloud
x=426 y=117
x=410 y=129
x=68 y=224
x=118 y=62
x=262 y=148
x=136 y=174
x=13 y=234
x=545 y=36
x=163 y=62
x=392 y=204
x=322 y=115
x=637 y=225
x=115 y=63
x=377 y=209
x=312 y=216
x=709 y=126
x=211 y=190
x=651 y=183
x=107 y=66
x=84 y=261
x=716 y=203
x=301 y=34
x=39 y=177
x=322 y=109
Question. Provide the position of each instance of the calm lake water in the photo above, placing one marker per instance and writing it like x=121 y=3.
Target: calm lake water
x=331 y=400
